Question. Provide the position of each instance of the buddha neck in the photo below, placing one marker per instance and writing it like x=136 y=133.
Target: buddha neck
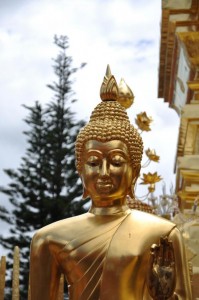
x=112 y=210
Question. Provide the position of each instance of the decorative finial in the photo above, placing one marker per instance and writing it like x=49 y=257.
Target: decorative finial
x=126 y=96
x=109 y=87
x=108 y=71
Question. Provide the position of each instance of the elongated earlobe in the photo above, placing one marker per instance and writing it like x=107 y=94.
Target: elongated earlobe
x=85 y=194
x=131 y=192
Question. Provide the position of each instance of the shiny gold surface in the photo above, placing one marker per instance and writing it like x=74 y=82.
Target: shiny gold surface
x=161 y=277
x=151 y=179
x=107 y=173
x=143 y=121
x=109 y=87
x=105 y=253
x=125 y=97
x=151 y=154
x=109 y=121
x=139 y=205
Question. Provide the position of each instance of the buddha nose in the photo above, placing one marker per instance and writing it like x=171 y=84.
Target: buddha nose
x=104 y=168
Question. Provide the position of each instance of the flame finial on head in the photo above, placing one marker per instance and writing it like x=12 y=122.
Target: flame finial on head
x=109 y=88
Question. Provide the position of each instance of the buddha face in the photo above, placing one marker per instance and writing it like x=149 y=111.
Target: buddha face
x=107 y=172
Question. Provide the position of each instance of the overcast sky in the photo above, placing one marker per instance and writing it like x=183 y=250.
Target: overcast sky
x=123 y=33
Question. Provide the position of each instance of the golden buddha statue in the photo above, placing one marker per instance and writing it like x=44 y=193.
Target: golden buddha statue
x=111 y=252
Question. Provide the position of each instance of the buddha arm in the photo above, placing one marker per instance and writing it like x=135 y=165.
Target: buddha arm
x=44 y=270
x=183 y=286
x=168 y=273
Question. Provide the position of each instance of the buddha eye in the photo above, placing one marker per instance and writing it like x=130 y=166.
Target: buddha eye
x=117 y=163
x=117 y=160
x=93 y=161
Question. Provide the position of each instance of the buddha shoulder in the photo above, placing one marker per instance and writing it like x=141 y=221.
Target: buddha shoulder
x=58 y=233
x=147 y=222
x=146 y=219
x=140 y=230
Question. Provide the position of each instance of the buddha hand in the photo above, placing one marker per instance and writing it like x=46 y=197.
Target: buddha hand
x=161 y=276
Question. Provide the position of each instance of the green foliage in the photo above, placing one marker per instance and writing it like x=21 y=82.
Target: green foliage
x=46 y=186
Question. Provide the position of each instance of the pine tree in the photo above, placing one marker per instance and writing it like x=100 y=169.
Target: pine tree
x=26 y=194
x=46 y=186
x=62 y=131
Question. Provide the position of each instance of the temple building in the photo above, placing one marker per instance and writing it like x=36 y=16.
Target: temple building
x=179 y=86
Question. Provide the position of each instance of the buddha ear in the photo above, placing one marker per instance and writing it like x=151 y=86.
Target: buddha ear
x=85 y=194
x=136 y=174
x=131 y=191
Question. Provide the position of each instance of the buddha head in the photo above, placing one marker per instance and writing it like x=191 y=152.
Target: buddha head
x=108 y=149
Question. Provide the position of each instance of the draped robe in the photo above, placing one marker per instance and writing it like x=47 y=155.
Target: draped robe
x=104 y=254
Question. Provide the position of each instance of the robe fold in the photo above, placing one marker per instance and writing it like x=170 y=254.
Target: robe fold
x=106 y=256
x=83 y=258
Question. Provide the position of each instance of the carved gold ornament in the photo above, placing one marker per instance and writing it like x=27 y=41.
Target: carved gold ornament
x=109 y=88
x=151 y=154
x=150 y=178
x=126 y=96
x=143 y=121
x=109 y=121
